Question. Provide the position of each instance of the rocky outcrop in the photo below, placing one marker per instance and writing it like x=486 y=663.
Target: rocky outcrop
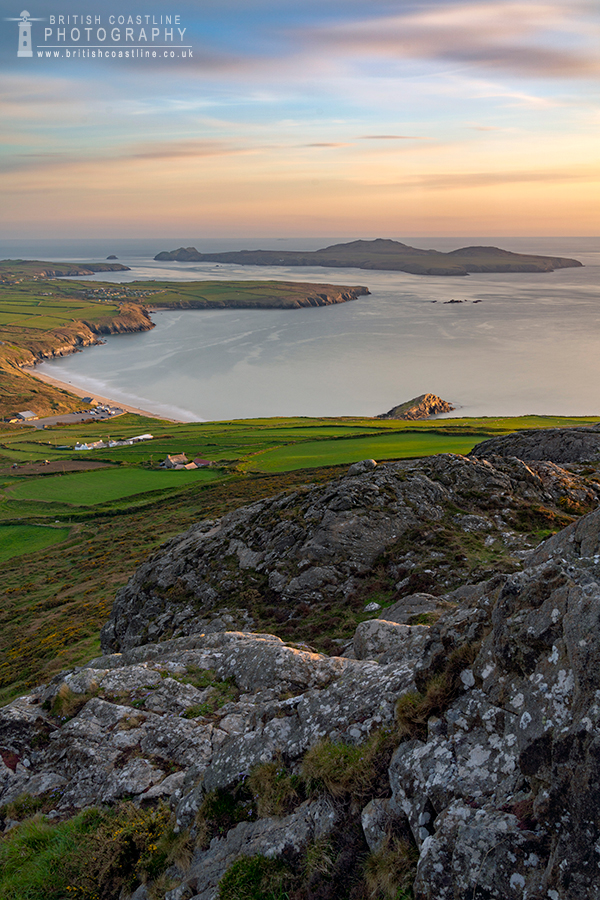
x=422 y=407
x=489 y=700
x=499 y=789
x=558 y=445
x=318 y=547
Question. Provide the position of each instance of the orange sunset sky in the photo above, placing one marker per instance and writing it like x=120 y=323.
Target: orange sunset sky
x=302 y=118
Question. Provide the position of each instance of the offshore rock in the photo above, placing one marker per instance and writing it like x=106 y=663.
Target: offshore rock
x=422 y=407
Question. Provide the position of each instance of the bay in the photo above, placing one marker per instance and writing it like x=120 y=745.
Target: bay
x=530 y=345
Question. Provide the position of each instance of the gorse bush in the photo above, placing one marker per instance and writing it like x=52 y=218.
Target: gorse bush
x=93 y=856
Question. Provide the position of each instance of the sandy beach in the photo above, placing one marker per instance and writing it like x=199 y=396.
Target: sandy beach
x=81 y=392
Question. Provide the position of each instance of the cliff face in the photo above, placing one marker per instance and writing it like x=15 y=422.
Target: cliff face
x=69 y=338
x=477 y=707
x=280 y=295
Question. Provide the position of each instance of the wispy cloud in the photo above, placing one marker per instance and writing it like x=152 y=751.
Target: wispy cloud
x=460 y=180
x=131 y=153
x=521 y=38
x=181 y=149
x=392 y=137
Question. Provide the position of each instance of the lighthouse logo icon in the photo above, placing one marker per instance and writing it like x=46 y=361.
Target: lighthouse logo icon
x=25 y=35
x=25 y=47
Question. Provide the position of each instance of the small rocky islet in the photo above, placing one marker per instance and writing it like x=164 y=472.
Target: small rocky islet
x=454 y=738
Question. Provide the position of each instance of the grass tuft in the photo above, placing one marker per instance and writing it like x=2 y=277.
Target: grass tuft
x=390 y=872
x=222 y=810
x=255 y=878
x=275 y=791
x=415 y=708
x=348 y=770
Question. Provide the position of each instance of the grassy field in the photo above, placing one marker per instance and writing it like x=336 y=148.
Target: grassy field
x=238 y=441
x=15 y=540
x=103 y=485
x=349 y=450
x=244 y=294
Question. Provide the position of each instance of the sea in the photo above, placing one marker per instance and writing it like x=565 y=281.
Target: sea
x=516 y=344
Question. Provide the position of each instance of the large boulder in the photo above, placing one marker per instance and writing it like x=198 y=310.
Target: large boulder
x=318 y=544
x=557 y=445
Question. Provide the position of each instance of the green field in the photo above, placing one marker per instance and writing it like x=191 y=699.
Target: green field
x=26 y=306
x=349 y=450
x=16 y=540
x=244 y=441
x=104 y=485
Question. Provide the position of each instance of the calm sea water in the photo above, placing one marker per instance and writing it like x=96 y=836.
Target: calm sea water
x=532 y=345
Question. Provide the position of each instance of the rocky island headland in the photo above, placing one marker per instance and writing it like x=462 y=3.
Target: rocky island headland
x=449 y=750
x=422 y=407
x=386 y=255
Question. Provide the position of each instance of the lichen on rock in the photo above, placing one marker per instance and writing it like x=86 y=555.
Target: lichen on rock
x=493 y=785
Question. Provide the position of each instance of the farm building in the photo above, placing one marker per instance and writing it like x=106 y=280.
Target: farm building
x=175 y=461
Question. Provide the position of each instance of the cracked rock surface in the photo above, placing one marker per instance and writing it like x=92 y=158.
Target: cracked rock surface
x=316 y=546
x=499 y=790
x=557 y=445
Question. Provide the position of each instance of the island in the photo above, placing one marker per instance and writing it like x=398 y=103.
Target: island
x=385 y=255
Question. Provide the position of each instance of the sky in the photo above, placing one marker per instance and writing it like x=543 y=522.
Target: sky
x=358 y=118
